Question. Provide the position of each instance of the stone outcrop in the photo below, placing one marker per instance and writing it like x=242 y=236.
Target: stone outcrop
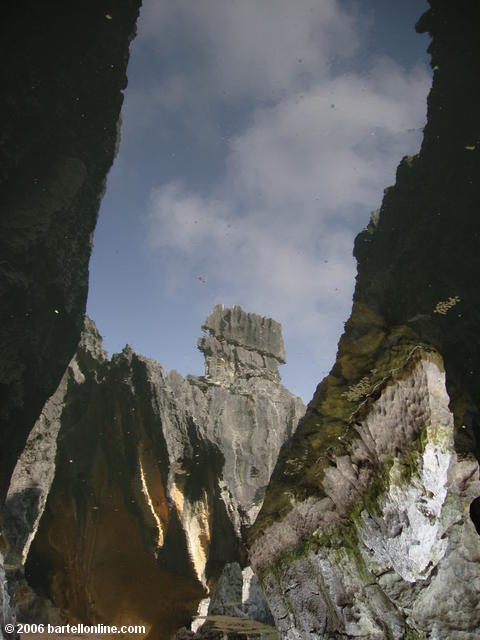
x=156 y=478
x=389 y=546
x=241 y=344
x=369 y=525
x=63 y=72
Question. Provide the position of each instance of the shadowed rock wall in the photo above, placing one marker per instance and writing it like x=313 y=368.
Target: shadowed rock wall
x=368 y=528
x=63 y=71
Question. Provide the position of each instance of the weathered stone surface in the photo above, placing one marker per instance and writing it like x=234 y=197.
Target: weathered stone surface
x=395 y=522
x=6 y=609
x=248 y=330
x=253 y=598
x=156 y=478
x=32 y=479
x=237 y=594
x=34 y=472
x=63 y=72
x=366 y=529
x=241 y=344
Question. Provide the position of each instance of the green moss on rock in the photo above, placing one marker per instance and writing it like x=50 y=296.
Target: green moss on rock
x=326 y=430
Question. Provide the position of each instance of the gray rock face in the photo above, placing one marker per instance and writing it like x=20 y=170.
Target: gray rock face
x=227 y=598
x=6 y=610
x=33 y=477
x=237 y=607
x=248 y=330
x=160 y=471
x=35 y=470
x=238 y=593
x=241 y=345
x=392 y=545
x=247 y=422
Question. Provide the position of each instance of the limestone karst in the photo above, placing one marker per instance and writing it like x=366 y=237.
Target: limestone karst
x=369 y=527
x=154 y=480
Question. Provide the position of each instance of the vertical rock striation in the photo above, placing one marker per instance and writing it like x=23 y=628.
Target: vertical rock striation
x=156 y=477
x=369 y=525
x=241 y=345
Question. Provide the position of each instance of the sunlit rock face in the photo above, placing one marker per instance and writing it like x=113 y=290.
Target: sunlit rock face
x=369 y=525
x=388 y=550
x=156 y=478
x=64 y=69
x=241 y=345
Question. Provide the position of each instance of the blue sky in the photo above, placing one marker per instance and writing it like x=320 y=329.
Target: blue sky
x=257 y=137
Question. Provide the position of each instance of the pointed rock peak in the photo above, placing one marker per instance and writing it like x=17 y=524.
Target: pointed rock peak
x=91 y=343
x=241 y=345
x=128 y=351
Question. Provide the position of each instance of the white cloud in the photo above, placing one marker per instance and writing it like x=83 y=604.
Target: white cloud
x=248 y=48
x=331 y=142
x=276 y=233
x=266 y=264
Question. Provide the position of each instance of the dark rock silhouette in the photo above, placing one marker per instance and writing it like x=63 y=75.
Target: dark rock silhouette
x=63 y=71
